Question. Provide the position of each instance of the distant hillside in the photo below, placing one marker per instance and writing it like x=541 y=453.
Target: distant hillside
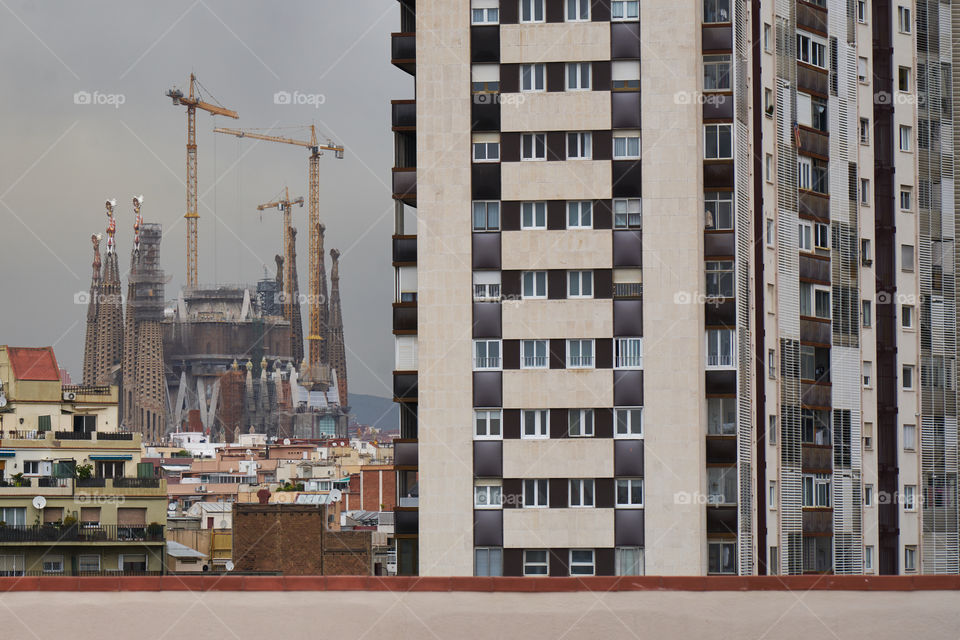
x=375 y=411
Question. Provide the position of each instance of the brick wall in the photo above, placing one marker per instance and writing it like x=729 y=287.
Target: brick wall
x=374 y=494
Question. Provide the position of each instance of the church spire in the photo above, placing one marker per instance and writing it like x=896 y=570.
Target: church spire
x=336 y=347
x=90 y=372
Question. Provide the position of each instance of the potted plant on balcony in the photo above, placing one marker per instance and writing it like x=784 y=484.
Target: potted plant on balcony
x=19 y=480
x=84 y=471
x=154 y=530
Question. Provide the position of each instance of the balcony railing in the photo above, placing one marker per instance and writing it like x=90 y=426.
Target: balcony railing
x=630 y=362
x=81 y=533
x=49 y=481
x=105 y=573
x=580 y=362
x=136 y=483
x=627 y=290
x=23 y=482
x=23 y=434
x=535 y=362
x=117 y=435
x=73 y=435
x=91 y=482
x=720 y=360
x=487 y=363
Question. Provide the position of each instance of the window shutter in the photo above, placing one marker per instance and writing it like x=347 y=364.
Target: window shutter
x=43 y=423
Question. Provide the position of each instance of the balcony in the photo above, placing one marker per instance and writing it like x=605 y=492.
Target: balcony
x=815 y=395
x=404 y=115
x=404 y=317
x=817 y=520
x=405 y=185
x=136 y=483
x=117 y=435
x=817 y=458
x=97 y=533
x=627 y=289
x=404 y=250
x=535 y=362
x=486 y=363
x=405 y=453
x=73 y=435
x=403 y=52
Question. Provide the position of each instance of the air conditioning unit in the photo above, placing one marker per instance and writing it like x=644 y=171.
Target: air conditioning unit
x=69 y=396
x=201 y=489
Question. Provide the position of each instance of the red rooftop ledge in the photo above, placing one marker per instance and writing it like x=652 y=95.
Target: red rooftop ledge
x=229 y=582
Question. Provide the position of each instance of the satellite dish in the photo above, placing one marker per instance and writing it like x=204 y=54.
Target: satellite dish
x=3 y=400
x=229 y=565
x=172 y=506
x=224 y=525
x=249 y=452
x=285 y=440
x=39 y=502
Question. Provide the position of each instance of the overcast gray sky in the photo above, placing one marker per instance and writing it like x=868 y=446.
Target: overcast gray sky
x=59 y=160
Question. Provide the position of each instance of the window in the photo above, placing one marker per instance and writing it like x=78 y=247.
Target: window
x=816 y=489
x=909 y=437
x=486 y=285
x=627 y=213
x=812 y=174
x=906 y=198
x=865 y=192
x=487 y=424
x=804 y=172
x=771 y=232
x=812 y=112
x=580 y=214
x=579 y=284
x=868 y=558
x=581 y=492
x=821 y=236
x=53 y=564
x=486 y=151
x=485 y=79
x=907 y=375
x=533 y=215
x=903 y=79
x=863 y=70
x=774 y=562
x=721 y=346
x=722 y=557
x=815 y=427
x=910 y=557
x=133 y=562
x=721 y=416
x=486 y=354
x=580 y=354
x=864 y=131
x=772 y=430
x=719 y=209
x=488 y=561
x=626 y=145
x=720 y=278
x=407 y=284
x=31 y=467
x=535 y=423
x=625 y=9
x=862 y=11
x=868 y=435
x=772 y=494
x=716 y=11
x=580 y=423
x=906 y=257
x=581 y=562
x=868 y=495
x=486 y=215
x=903 y=16
x=11 y=565
x=722 y=485
x=533 y=77
x=768 y=167
x=909 y=497
x=628 y=422
x=625 y=75
x=534 y=354
x=531 y=11
x=629 y=561
x=13 y=516
x=628 y=353
x=767 y=38
x=534 y=284
x=579 y=145
x=488 y=495
x=578 y=10
x=906 y=134
x=867 y=370
x=484 y=12
x=88 y=562
x=805 y=239
x=535 y=493
x=629 y=492
x=716 y=72
x=866 y=313
x=578 y=76
x=533 y=146
x=906 y=316
x=534 y=562
x=717 y=142
x=811 y=50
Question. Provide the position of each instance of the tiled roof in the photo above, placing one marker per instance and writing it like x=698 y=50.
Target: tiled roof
x=34 y=363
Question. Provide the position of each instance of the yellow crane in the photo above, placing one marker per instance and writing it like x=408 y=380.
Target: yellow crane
x=285 y=205
x=193 y=102
x=316 y=150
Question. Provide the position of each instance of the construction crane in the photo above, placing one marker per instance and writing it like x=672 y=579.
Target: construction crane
x=193 y=102
x=286 y=206
x=316 y=150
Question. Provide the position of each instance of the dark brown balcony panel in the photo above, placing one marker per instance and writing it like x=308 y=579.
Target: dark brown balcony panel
x=556 y=215
x=602 y=214
x=628 y=387
x=603 y=143
x=606 y=493
x=627 y=248
x=817 y=521
x=486 y=321
x=404 y=250
x=721 y=520
x=600 y=80
x=558 y=424
x=600 y=11
x=811 y=18
x=814 y=267
x=556 y=284
x=604 y=349
x=558 y=353
x=816 y=205
x=405 y=386
x=603 y=423
x=485 y=112
x=405 y=317
x=719 y=243
x=485 y=43
x=554 y=10
x=487 y=389
x=603 y=283
x=558 y=558
x=812 y=79
x=628 y=318
x=556 y=146
x=403 y=114
x=625 y=109
x=406 y=521
x=556 y=76
x=486 y=250
x=485 y=180
x=488 y=458
x=816 y=395
x=512 y=557
x=817 y=458
x=405 y=185
x=718 y=106
x=717 y=38
x=628 y=527
x=488 y=527
x=718 y=174
x=403 y=51
x=814 y=332
x=512 y=490
x=627 y=179
x=405 y=453
x=721 y=450
x=814 y=142
x=720 y=312
x=721 y=382
x=625 y=41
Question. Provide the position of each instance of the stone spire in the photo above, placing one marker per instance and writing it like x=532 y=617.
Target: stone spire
x=109 y=310
x=296 y=322
x=337 y=348
x=324 y=300
x=90 y=372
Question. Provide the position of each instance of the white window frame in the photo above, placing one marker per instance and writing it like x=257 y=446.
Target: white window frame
x=817 y=490
x=536 y=567
x=487 y=362
x=532 y=11
x=715 y=131
x=904 y=265
x=720 y=278
x=492 y=424
x=580 y=284
x=579 y=145
x=631 y=487
x=722 y=485
x=628 y=353
x=821 y=236
x=812 y=50
x=54 y=560
x=582 y=493
x=868 y=558
x=866 y=371
x=906 y=198
x=904 y=23
x=626 y=145
x=576 y=11
x=488 y=14
x=629 y=566
x=490 y=149
x=85 y=557
x=535 y=142
x=538 y=285
x=484 y=208
x=724 y=545
x=804 y=173
x=910 y=558
x=718 y=210
x=718 y=70
x=718 y=410
x=578 y=76
x=494 y=561
x=580 y=423
x=868 y=495
x=805 y=236
x=580 y=566
x=909 y=497
x=581 y=361
x=12 y=564
x=910 y=443
x=865 y=131
x=906 y=138
x=908 y=371
x=907 y=316
x=540 y=427
x=533 y=78
x=631 y=426
x=488 y=494
x=624 y=10
x=714 y=338
x=534 y=361
x=531 y=488
x=627 y=213
x=580 y=214
x=862 y=11
x=534 y=213
x=486 y=286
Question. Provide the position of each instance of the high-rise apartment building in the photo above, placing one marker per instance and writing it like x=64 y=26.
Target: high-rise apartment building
x=675 y=287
